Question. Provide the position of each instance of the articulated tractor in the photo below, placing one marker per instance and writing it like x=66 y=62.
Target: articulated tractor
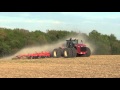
x=72 y=49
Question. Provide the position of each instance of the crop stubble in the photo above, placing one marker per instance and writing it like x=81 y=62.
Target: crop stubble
x=95 y=66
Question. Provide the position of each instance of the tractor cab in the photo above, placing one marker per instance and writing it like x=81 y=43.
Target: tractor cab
x=71 y=43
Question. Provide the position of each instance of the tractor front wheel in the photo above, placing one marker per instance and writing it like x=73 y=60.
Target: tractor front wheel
x=88 y=52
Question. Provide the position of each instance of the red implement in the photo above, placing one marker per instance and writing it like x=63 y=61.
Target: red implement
x=35 y=55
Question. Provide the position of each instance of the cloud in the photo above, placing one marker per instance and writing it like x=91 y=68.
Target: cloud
x=44 y=21
x=105 y=22
x=24 y=14
x=23 y=20
x=94 y=15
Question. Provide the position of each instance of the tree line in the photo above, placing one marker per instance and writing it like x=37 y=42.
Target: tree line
x=12 y=40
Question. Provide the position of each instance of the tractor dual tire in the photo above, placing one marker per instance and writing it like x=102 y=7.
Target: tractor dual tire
x=56 y=53
x=88 y=53
x=74 y=53
x=69 y=52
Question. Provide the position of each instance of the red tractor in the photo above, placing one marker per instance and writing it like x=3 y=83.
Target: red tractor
x=72 y=49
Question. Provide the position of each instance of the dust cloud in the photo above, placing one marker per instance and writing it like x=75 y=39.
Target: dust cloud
x=34 y=49
x=51 y=47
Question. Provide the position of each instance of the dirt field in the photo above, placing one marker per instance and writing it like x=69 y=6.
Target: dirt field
x=97 y=66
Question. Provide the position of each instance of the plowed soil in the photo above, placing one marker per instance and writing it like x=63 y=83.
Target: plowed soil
x=95 y=66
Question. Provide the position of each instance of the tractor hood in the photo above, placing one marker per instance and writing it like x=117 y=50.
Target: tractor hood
x=80 y=45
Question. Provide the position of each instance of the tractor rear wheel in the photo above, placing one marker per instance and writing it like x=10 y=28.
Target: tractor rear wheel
x=74 y=53
x=61 y=50
x=67 y=52
x=56 y=53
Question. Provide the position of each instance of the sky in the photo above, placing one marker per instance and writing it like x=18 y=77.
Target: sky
x=104 y=22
